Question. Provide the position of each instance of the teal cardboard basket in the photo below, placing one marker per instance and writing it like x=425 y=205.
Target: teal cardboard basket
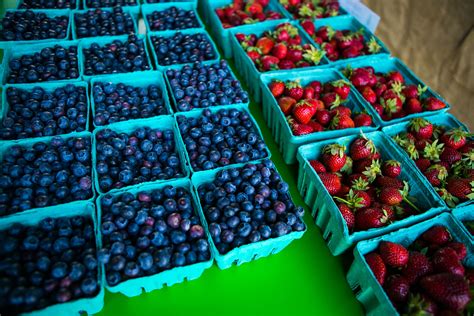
x=18 y=51
x=90 y=305
x=134 y=7
x=74 y=4
x=135 y=287
x=246 y=66
x=160 y=123
x=126 y=10
x=49 y=13
x=386 y=64
x=361 y=279
x=222 y=35
x=207 y=63
x=462 y=214
x=325 y=211
x=244 y=253
x=148 y=9
x=276 y=120
x=196 y=114
x=134 y=79
x=168 y=34
x=443 y=119
x=288 y=15
x=47 y=86
x=104 y=40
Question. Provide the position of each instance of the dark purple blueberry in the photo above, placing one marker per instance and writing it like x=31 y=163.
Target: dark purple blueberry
x=174 y=220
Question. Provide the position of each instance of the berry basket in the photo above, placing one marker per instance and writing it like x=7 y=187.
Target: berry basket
x=51 y=13
x=222 y=35
x=135 y=79
x=276 y=120
x=74 y=4
x=362 y=280
x=246 y=66
x=147 y=9
x=444 y=119
x=48 y=86
x=160 y=122
x=134 y=7
x=168 y=34
x=91 y=305
x=386 y=64
x=465 y=213
x=245 y=253
x=167 y=1
x=324 y=209
x=288 y=15
x=135 y=287
x=18 y=51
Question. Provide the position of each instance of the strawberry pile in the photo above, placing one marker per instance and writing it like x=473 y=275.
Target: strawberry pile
x=341 y=44
x=310 y=9
x=279 y=49
x=444 y=156
x=245 y=12
x=368 y=191
x=389 y=95
x=428 y=278
x=317 y=107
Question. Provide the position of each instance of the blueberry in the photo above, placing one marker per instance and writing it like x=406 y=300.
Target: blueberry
x=99 y=22
x=146 y=261
x=172 y=18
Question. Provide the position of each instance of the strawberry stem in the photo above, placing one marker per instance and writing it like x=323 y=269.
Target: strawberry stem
x=411 y=204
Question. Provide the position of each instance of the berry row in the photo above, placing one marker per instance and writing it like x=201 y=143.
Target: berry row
x=90 y=4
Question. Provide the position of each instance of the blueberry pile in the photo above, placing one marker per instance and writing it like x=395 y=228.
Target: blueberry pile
x=50 y=263
x=51 y=63
x=99 y=22
x=183 y=48
x=46 y=174
x=47 y=4
x=249 y=204
x=110 y=3
x=116 y=57
x=172 y=18
x=201 y=86
x=36 y=112
x=150 y=232
x=141 y=156
x=222 y=138
x=28 y=25
x=120 y=102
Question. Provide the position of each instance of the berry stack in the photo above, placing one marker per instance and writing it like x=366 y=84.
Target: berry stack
x=110 y=3
x=103 y=22
x=246 y=12
x=48 y=4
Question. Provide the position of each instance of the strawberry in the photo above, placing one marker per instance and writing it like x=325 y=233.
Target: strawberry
x=370 y=218
x=379 y=89
x=362 y=148
x=269 y=63
x=360 y=166
x=450 y=156
x=265 y=45
x=334 y=157
x=286 y=104
x=362 y=119
x=413 y=92
x=391 y=168
x=323 y=117
x=277 y=87
x=450 y=290
x=254 y=8
x=316 y=126
x=455 y=138
x=317 y=104
x=331 y=99
x=421 y=128
x=308 y=93
x=303 y=112
x=302 y=129
x=295 y=53
x=395 y=76
x=331 y=182
x=437 y=235
x=286 y=64
x=418 y=265
x=279 y=50
x=317 y=86
x=341 y=110
x=394 y=255
x=341 y=122
x=413 y=105
x=293 y=89
x=347 y=214
x=317 y=166
x=446 y=260
x=390 y=196
x=421 y=305
x=308 y=26
x=389 y=182
x=397 y=288
x=369 y=95
x=460 y=188
x=423 y=164
x=342 y=88
x=435 y=174
x=433 y=104
x=376 y=264
x=253 y=53
x=460 y=249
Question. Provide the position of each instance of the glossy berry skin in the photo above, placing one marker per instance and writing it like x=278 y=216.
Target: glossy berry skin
x=155 y=236
x=110 y=3
x=99 y=22
x=120 y=102
x=125 y=159
x=44 y=264
x=243 y=206
x=218 y=139
x=172 y=18
x=116 y=57
x=201 y=86
x=50 y=64
x=48 y=4
x=37 y=112
x=183 y=48
x=45 y=174
x=29 y=25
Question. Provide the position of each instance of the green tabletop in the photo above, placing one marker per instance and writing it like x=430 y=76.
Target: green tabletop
x=303 y=279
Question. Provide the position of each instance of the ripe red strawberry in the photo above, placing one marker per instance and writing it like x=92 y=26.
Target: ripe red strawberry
x=394 y=255
x=303 y=112
x=370 y=218
x=331 y=182
x=265 y=44
x=383 y=181
x=362 y=119
x=433 y=104
x=253 y=53
x=341 y=110
x=435 y=174
x=362 y=148
x=413 y=105
x=450 y=155
x=317 y=86
x=317 y=166
x=286 y=64
x=450 y=290
x=308 y=93
x=455 y=138
x=341 y=122
x=268 y=62
x=302 y=129
x=377 y=266
x=395 y=76
x=460 y=249
x=317 y=104
x=295 y=53
x=277 y=87
x=308 y=26
x=369 y=95
x=342 y=88
x=423 y=164
x=347 y=214
x=391 y=168
x=460 y=188
x=418 y=265
x=397 y=288
x=286 y=104
x=421 y=128
x=437 y=235
x=390 y=196
x=334 y=157
x=323 y=117
x=293 y=89
x=254 y=8
x=446 y=260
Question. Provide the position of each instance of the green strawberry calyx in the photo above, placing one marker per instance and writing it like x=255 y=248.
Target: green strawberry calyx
x=433 y=150
x=313 y=55
x=372 y=46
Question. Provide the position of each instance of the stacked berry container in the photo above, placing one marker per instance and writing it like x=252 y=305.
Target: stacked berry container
x=92 y=4
x=43 y=4
x=171 y=16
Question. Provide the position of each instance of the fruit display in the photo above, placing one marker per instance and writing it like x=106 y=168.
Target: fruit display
x=109 y=3
x=183 y=48
x=39 y=112
x=150 y=231
x=47 y=4
x=445 y=156
x=45 y=173
x=248 y=204
x=216 y=139
x=30 y=25
x=172 y=18
x=100 y=22
x=51 y=63
x=244 y=12
x=200 y=86
x=309 y=9
x=281 y=48
x=317 y=106
x=118 y=56
x=426 y=278
x=51 y=262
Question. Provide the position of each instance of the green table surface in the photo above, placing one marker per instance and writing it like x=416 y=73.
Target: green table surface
x=303 y=279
